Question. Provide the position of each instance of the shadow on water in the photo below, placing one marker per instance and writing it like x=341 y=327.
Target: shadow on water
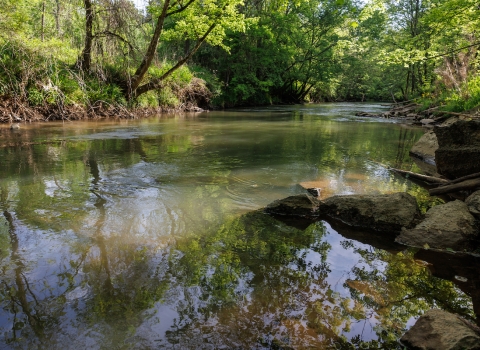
x=462 y=269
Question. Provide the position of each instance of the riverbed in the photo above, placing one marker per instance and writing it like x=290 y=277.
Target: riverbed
x=138 y=234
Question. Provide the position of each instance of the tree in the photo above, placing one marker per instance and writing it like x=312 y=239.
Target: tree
x=198 y=21
x=286 y=50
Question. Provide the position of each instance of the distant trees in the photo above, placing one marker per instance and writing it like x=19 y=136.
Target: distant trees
x=284 y=53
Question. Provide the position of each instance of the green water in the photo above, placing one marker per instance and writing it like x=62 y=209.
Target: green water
x=146 y=234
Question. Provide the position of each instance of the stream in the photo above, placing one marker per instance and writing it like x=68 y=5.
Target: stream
x=149 y=234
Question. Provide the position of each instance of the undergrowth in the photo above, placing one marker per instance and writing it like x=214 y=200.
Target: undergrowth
x=44 y=75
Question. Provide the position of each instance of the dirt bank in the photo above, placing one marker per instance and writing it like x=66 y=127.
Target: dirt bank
x=13 y=110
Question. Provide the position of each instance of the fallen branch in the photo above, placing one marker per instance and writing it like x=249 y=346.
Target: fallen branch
x=402 y=102
x=462 y=186
x=463 y=178
x=426 y=178
x=458 y=114
x=426 y=111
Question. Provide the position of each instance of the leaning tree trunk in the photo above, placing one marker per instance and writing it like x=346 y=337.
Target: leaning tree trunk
x=149 y=55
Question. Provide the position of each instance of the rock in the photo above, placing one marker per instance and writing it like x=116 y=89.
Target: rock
x=385 y=212
x=473 y=204
x=450 y=121
x=301 y=205
x=322 y=187
x=367 y=115
x=459 y=148
x=425 y=147
x=427 y=121
x=426 y=167
x=314 y=191
x=441 y=330
x=447 y=225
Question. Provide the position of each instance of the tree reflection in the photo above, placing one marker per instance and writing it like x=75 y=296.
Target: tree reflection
x=397 y=287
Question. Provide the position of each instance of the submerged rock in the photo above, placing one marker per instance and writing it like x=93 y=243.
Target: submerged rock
x=301 y=205
x=425 y=147
x=426 y=167
x=441 y=330
x=459 y=148
x=447 y=225
x=385 y=212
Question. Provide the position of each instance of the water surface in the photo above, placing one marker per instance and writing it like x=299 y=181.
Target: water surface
x=147 y=234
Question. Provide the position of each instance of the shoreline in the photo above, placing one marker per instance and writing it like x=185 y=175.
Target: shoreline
x=15 y=112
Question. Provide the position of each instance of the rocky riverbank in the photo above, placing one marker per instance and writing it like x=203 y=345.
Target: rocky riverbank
x=412 y=113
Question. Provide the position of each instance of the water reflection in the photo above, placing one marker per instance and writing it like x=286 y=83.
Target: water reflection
x=146 y=234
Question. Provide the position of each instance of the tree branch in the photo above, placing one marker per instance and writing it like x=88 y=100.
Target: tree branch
x=182 y=8
x=156 y=83
x=109 y=33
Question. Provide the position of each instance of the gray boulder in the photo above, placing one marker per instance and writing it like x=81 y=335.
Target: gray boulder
x=440 y=330
x=473 y=203
x=458 y=148
x=301 y=205
x=447 y=225
x=385 y=212
x=425 y=147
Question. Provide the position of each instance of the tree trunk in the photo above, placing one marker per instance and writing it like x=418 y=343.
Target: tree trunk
x=149 y=55
x=155 y=84
x=43 y=20
x=57 y=18
x=85 y=62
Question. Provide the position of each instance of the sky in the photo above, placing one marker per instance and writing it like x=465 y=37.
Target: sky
x=140 y=4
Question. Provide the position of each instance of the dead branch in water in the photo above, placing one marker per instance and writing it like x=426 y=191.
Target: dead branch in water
x=426 y=178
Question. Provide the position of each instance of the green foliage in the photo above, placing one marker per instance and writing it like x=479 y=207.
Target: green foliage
x=281 y=55
x=167 y=98
x=258 y=52
x=96 y=91
x=149 y=99
x=466 y=99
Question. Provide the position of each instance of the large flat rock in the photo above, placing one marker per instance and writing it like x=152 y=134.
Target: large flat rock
x=441 y=330
x=385 y=212
x=449 y=225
